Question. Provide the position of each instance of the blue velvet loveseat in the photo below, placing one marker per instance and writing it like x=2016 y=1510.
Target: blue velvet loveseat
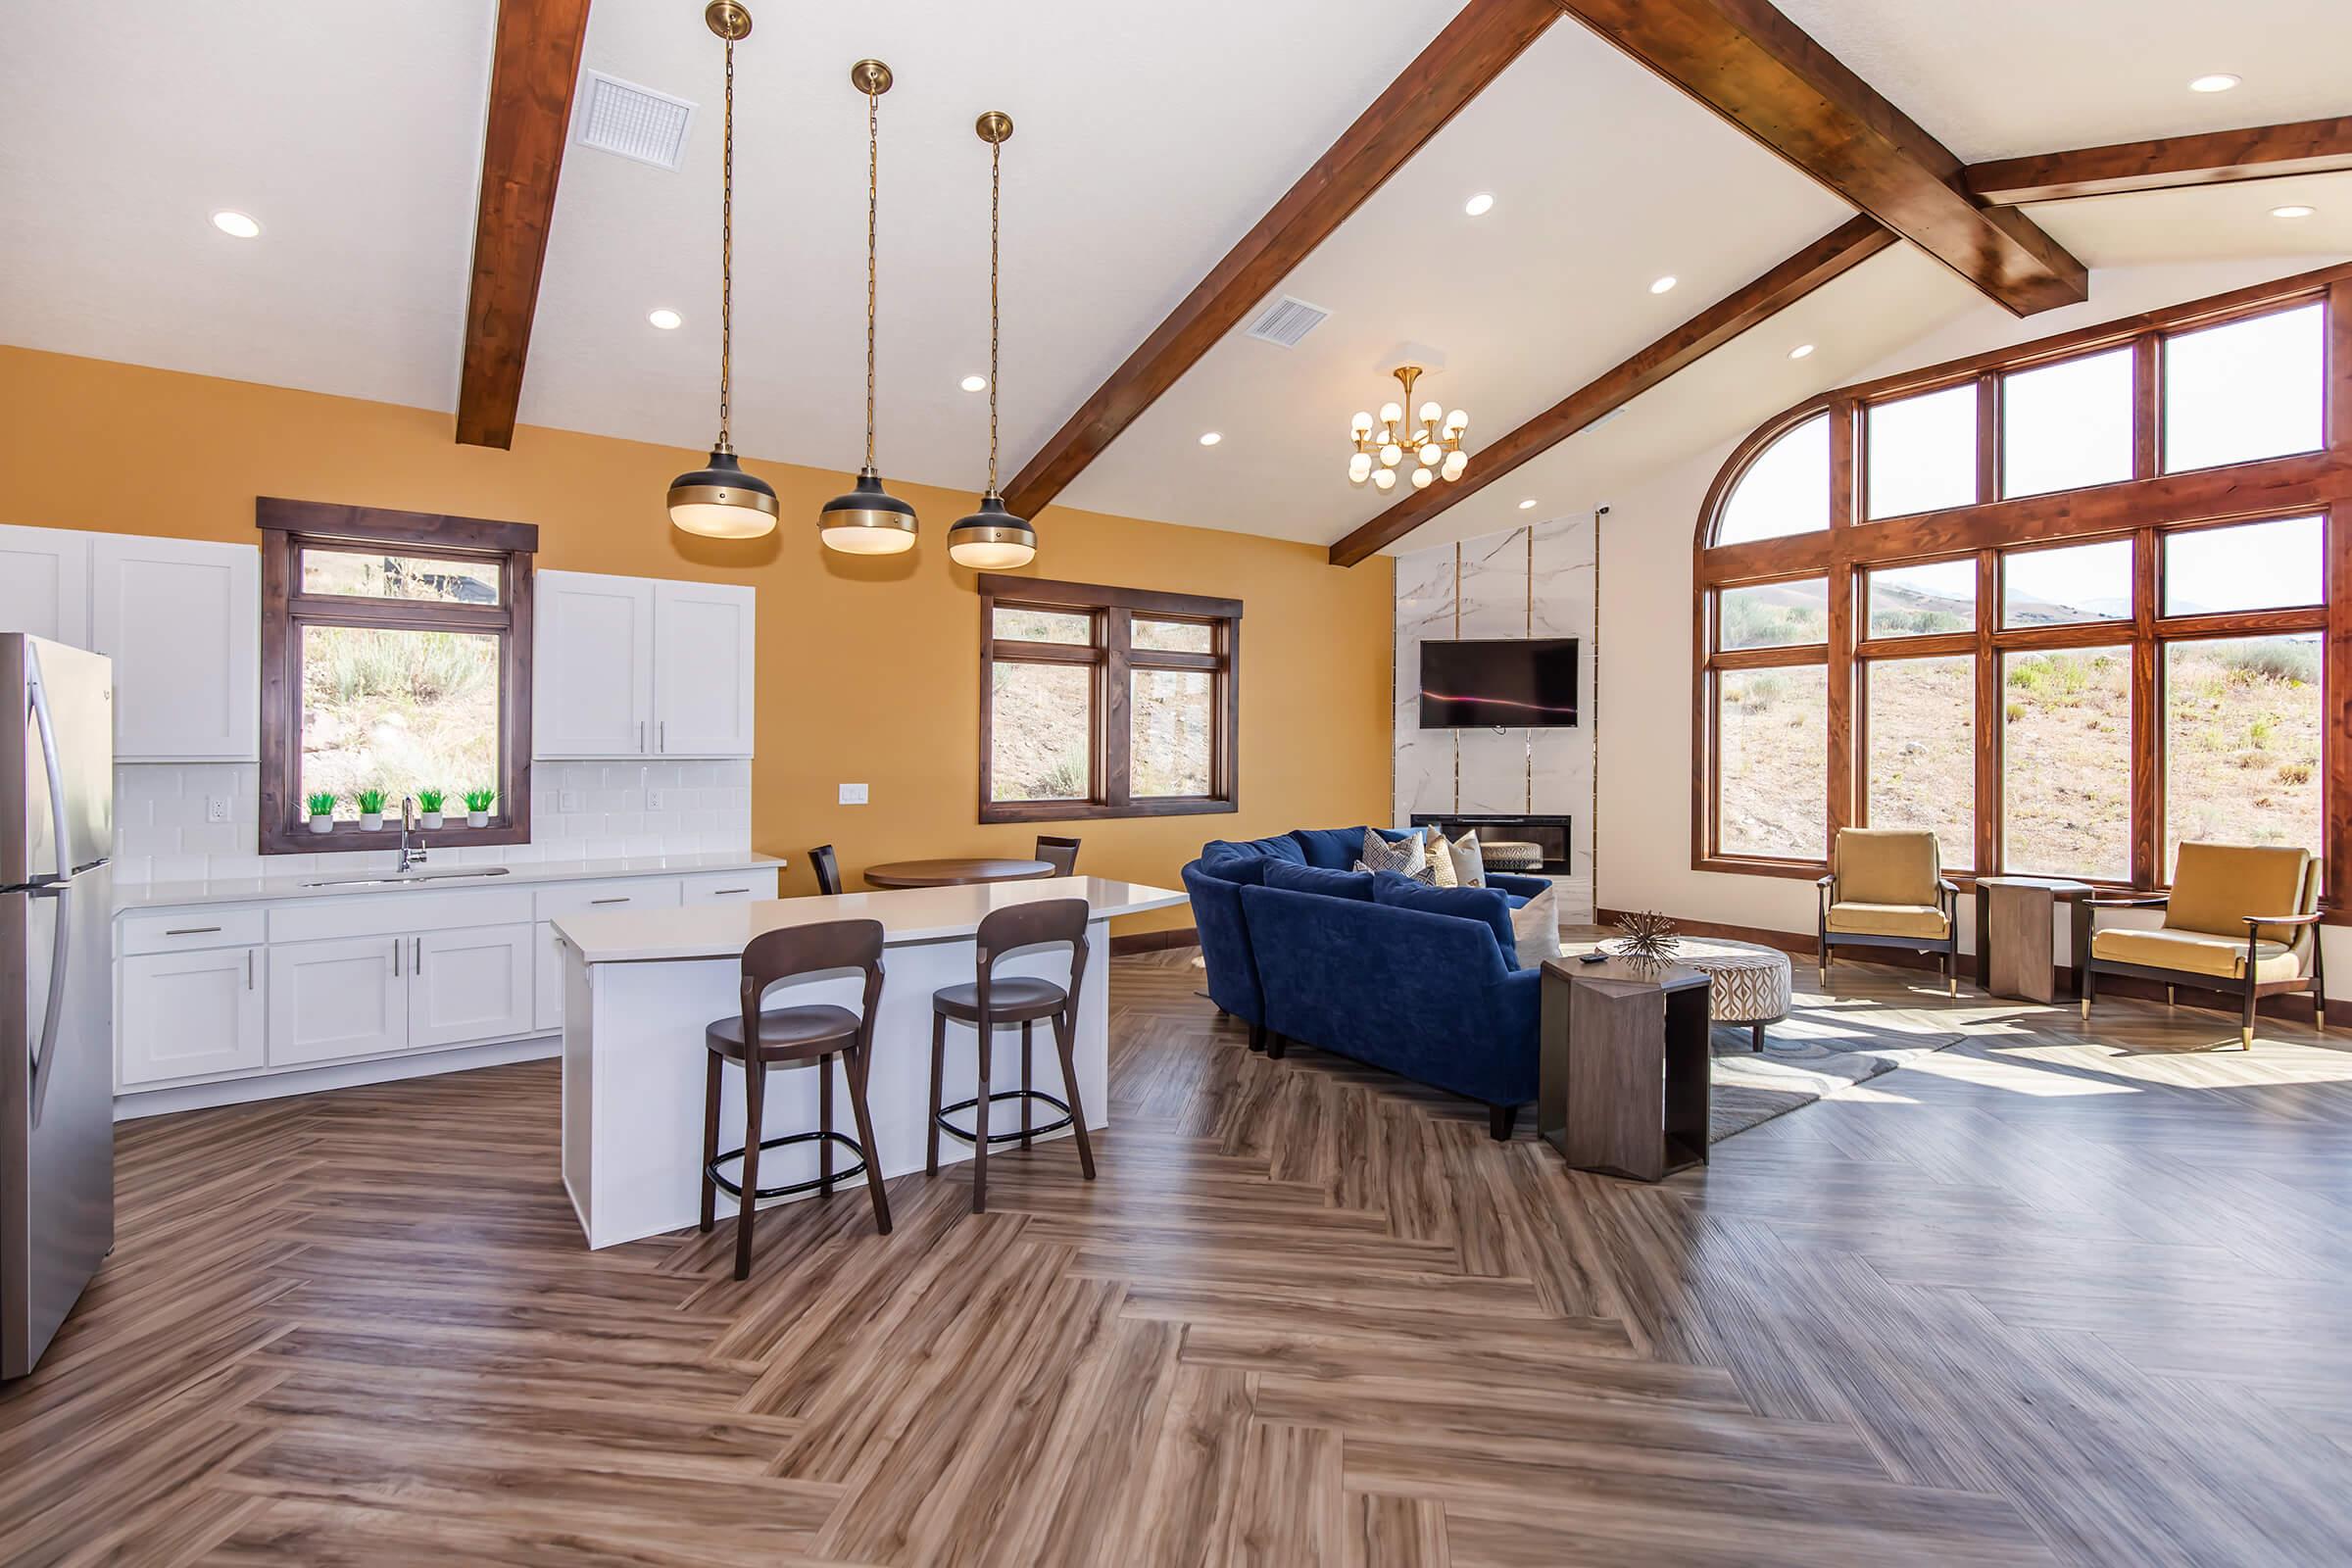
x=1421 y=981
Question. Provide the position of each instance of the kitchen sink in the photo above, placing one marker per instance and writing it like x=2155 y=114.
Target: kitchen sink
x=407 y=879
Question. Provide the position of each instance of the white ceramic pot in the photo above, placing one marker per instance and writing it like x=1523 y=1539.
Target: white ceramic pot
x=322 y=824
x=430 y=819
x=477 y=818
x=370 y=821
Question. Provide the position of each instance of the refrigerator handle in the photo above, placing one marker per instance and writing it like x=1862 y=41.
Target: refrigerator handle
x=60 y=957
x=56 y=771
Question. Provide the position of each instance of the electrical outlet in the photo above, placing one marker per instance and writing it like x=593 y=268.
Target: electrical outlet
x=653 y=800
x=852 y=795
x=216 y=807
x=568 y=800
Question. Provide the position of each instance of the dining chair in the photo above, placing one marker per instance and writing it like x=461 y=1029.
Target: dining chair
x=1060 y=854
x=827 y=868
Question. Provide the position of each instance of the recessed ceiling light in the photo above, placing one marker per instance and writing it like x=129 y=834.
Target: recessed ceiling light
x=666 y=321
x=974 y=383
x=1664 y=284
x=1800 y=351
x=2219 y=81
x=2297 y=210
x=1528 y=504
x=236 y=224
x=1480 y=205
x=1209 y=438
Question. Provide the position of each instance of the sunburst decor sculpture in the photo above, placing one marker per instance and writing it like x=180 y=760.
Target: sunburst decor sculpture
x=1648 y=935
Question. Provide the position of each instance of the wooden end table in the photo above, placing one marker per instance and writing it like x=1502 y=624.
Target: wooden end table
x=2013 y=956
x=1624 y=1070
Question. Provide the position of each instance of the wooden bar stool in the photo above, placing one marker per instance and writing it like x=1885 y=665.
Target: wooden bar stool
x=989 y=1002
x=760 y=1040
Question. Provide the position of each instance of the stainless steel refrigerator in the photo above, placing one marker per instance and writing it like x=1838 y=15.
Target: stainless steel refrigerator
x=56 y=1131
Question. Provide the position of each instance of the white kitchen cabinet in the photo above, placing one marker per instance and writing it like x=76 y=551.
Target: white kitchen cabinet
x=45 y=583
x=470 y=985
x=189 y=1014
x=592 y=666
x=331 y=1000
x=581 y=898
x=704 y=647
x=631 y=668
x=182 y=622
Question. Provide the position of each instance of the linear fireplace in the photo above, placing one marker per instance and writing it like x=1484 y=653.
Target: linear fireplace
x=1548 y=834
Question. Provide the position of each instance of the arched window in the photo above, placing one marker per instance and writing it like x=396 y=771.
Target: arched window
x=2067 y=605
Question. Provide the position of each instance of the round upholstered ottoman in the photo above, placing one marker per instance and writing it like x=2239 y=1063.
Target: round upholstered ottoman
x=1751 y=983
x=1510 y=855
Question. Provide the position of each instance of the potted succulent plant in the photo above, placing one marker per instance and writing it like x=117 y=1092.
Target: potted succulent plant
x=429 y=806
x=477 y=807
x=322 y=810
x=371 y=809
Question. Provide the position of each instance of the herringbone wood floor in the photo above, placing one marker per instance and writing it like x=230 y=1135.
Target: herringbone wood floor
x=2051 y=1296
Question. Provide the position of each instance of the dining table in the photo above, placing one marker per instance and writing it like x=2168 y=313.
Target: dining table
x=955 y=872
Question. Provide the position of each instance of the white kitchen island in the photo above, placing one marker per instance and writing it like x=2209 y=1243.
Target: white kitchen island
x=639 y=987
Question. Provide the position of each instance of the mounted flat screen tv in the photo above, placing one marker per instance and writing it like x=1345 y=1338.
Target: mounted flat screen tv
x=1498 y=683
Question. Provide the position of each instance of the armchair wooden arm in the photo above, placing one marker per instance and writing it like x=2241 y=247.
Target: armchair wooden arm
x=2256 y=921
x=2131 y=900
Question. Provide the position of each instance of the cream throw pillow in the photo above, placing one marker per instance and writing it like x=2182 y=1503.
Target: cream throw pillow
x=1440 y=858
x=1535 y=928
x=1410 y=856
x=1469 y=861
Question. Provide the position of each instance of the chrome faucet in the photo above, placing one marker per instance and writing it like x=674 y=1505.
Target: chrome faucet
x=408 y=857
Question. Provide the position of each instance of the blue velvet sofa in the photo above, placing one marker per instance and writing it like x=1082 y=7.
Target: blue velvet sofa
x=1421 y=981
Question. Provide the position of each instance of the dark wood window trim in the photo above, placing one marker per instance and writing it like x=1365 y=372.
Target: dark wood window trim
x=287 y=526
x=2141 y=510
x=1114 y=657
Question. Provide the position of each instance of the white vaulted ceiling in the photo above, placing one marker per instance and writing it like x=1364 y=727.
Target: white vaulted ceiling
x=1149 y=141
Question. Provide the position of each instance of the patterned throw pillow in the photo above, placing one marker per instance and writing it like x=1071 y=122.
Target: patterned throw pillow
x=1469 y=862
x=1409 y=858
x=1440 y=859
x=1536 y=924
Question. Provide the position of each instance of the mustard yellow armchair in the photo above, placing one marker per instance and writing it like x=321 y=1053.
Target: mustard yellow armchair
x=2242 y=918
x=1886 y=888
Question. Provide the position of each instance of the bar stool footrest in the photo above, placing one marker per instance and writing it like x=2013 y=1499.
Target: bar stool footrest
x=735 y=1189
x=1015 y=1136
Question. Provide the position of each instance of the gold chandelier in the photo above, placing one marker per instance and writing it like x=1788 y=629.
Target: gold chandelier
x=1432 y=438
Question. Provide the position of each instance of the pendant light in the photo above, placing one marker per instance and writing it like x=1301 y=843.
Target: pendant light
x=721 y=500
x=993 y=539
x=869 y=520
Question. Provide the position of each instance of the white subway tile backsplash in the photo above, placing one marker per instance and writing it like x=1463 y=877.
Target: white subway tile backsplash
x=162 y=832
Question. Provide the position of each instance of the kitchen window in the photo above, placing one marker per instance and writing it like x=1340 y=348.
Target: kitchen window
x=1100 y=702
x=395 y=660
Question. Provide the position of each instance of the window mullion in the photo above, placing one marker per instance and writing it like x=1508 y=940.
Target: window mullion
x=2147 y=719
x=1992 y=719
x=1112 y=704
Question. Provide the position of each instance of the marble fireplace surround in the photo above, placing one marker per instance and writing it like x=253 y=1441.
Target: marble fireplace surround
x=1534 y=581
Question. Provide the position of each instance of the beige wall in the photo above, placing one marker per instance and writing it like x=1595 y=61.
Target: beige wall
x=868 y=669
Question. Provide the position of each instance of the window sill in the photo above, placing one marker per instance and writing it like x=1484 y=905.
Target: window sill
x=1088 y=810
x=350 y=838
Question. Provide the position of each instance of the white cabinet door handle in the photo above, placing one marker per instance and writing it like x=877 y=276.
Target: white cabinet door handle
x=641 y=735
x=664 y=728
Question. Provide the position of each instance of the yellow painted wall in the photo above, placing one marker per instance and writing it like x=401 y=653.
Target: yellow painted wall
x=868 y=669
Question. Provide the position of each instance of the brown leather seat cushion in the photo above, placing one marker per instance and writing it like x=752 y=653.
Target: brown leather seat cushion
x=1011 y=998
x=785 y=1029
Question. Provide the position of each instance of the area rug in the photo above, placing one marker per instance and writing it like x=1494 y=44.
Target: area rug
x=1818 y=1049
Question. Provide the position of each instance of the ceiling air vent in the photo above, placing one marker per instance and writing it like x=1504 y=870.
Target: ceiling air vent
x=632 y=122
x=1285 y=321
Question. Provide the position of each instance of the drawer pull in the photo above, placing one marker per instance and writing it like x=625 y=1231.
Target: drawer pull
x=191 y=931
x=720 y=893
x=622 y=899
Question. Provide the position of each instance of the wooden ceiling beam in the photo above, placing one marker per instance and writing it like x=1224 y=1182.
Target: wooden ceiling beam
x=2219 y=157
x=535 y=61
x=1485 y=36
x=1750 y=64
x=1832 y=255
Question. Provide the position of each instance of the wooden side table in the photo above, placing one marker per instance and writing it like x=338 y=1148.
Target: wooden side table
x=2013 y=952
x=1624 y=1071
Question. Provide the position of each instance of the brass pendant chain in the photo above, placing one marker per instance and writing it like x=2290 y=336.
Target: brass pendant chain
x=726 y=256
x=996 y=171
x=873 y=175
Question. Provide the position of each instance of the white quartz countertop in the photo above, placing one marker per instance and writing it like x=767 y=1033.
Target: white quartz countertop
x=907 y=915
x=340 y=884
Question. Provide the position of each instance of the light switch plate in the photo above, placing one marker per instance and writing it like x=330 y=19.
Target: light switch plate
x=216 y=807
x=852 y=795
x=568 y=800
